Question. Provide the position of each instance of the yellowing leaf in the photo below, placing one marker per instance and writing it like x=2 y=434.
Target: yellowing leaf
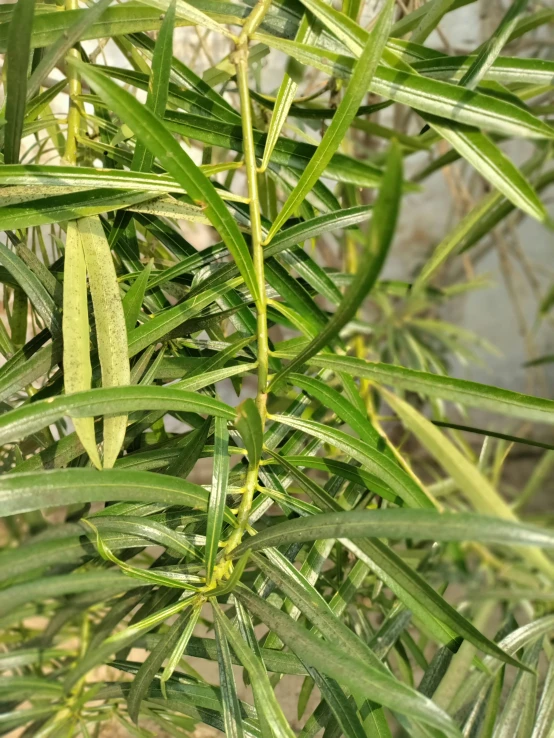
x=111 y=333
x=76 y=341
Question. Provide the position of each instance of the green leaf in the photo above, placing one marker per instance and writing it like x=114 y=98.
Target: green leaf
x=158 y=86
x=410 y=21
x=48 y=27
x=492 y=48
x=332 y=399
x=491 y=162
x=18 y=50
x=338 y=469
x=35 y=490
x=41 y=271
x=168 y=320
x=190 y=450
x=205 y=648
x=472 y=394
x=187 y=12
x=374 y=461
x=63 y=43
x=150 y=667
x=293 y=155
x=21 y=422
x=435 y=12
x=493 y=434
x=231 y=705
x=400 y=524
x=429 y=607
x=104 y=584
x=134 y=297
x=478 y=490
x=177 y=162
x=437 y=615
x=284 y=100
x=430 y=96
x=545 y=710
x=33 y=288
x=249 y=424
x=381 y=233
x=180 y=646
x=356 y=675
x=218 y=494
x=504 y=69
x=258 y=676
x=347 y=110
x=76 y=335
x=123 y=638
x=42 y=177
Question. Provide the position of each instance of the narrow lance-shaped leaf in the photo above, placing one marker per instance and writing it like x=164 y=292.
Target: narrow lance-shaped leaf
x=258 y=676
x=190 y=451
x=111 y=334
x=356 y=675
x=27 y=419
x=134 y=297
x=545 y=711
x=35 y=490
x=18 y=51
x=400 y=524
x=134 y=572
x=218 y=494
x=487 y=158
x=65 y=41
x=34 y=289
x=150 y=667
x=41 y=271
x=472 y=394
x=381 y=232
x=492 y=48
x=471 y=482
x=249 y=425
x=190 y=13
x=158 y=87
x=493 y=164
x=431 y=96
x=285 y=98
x=231 y=705
x=177 y=162
x=354 y=417
x=76 y=335
x=181 y=646
x=435 y=12
x=347 y=110
x=156 y=101
x=374 y=461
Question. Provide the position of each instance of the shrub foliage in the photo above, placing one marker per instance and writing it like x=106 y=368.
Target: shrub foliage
x=225 y=435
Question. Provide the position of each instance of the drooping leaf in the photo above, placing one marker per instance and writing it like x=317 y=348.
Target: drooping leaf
x=160 y=142
x=111 y=334
x=76 y=335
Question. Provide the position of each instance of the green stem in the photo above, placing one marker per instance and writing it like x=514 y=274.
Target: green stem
x=241 y=62
x=240 y=59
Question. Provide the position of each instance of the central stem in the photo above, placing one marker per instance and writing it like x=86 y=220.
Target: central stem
x=240 y=59
x=241 y=63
